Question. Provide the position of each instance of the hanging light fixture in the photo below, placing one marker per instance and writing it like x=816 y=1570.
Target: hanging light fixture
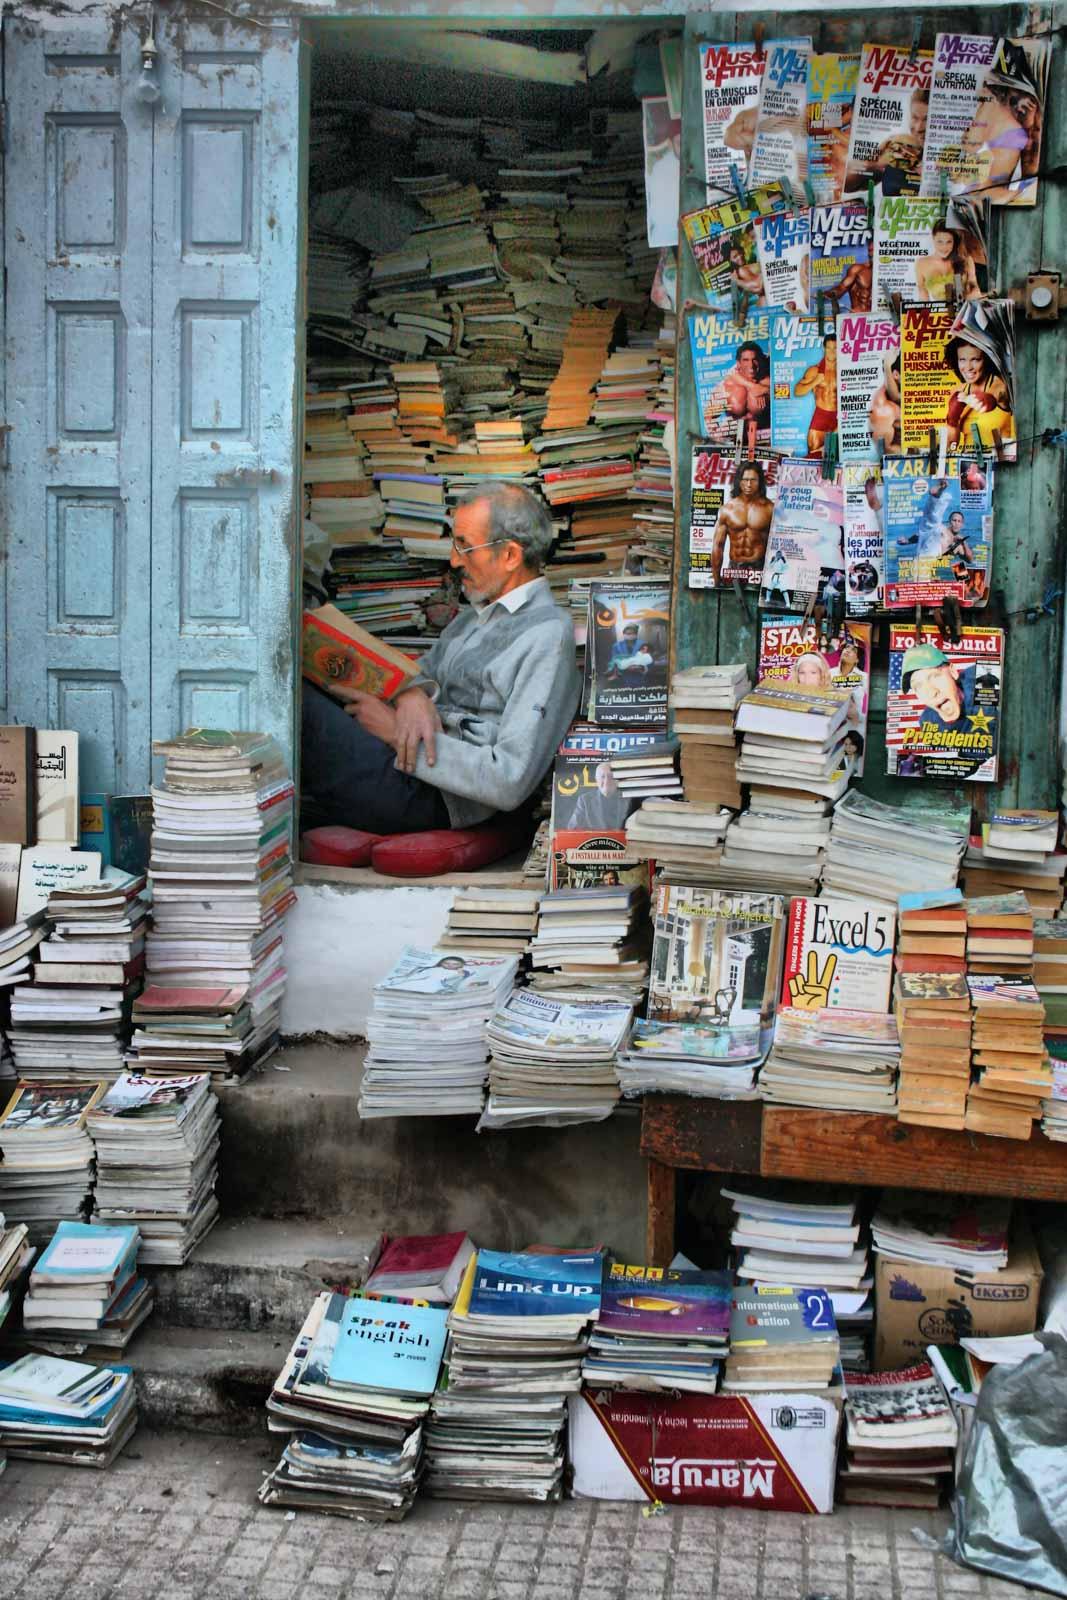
x=148 y=91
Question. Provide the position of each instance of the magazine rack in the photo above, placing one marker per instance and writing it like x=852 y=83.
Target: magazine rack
x=683 y=1132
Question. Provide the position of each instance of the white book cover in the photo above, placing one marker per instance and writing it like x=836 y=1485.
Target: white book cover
x=53 y=866
x=839 y=953
x=58 y=816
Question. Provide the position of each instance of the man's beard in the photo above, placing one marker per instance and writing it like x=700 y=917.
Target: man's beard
x=482 y=597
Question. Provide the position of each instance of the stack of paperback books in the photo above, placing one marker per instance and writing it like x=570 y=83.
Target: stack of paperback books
x=590 y=937
x=1000 y=935
x=517 y=1335
x=1008 y=1054
x=352 y=1396
x=15 y=1257
x=778 y=843
x=1050 y=959
x=781 y=1340
x=18 y=945
x=793 y=739
x=659 y=1328
x=491 y=921
x=650 y=770
x=84 y=1289
x=968 y=1233
x=52 y=1409
x=221 y=874
x=678 y=835
x=1017 y=852
x=933 y=1012
x=206 y=1029
x=74 y=1021
x=428 y=1053
x=877 y=852
x=703 y=701
x=701 y=1058
x=933 y=932
x=839 y=1059
x=900 y=1439
x=47 y=1172
x=157 y=1148
x=553 y=1060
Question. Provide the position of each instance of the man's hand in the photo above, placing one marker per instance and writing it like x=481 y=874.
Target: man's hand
x=373 y=715
x=417 y=722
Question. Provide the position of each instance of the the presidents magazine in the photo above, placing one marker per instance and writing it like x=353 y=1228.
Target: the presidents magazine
x=943 y=704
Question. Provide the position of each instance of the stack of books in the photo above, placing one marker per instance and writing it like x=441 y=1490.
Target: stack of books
x=16 y=1254
x=426 y=1028
x=74 y=1021
x=878 y=852
x=792 y=739
x=221 y=877
x=352 y=1395
x=933 y=1012
x=649 y=771
x=702 y=1058
x=85 y=1290
x=553 y=1060
x=703 y=702
x=157 y=1148
x=781 y=1340
x=18 y=944
x=1017 y=851
x=46 y=1175
x=1054 y=1105
x=837 y=1059
x=659 y=1329
x=491 y=921
x=900 y=1439
x=1000 y=935
x=933 y=932
x=53 y=1409
x=590 y=937
x=809 y=1238
x=1009 y=1057
x=517 y=1335
x=778 y=842
x=965 y=1232
x=1050 y=957
x=201 y=1028
x=677 y=834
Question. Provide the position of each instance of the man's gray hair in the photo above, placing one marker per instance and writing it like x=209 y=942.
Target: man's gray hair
x=515 y=512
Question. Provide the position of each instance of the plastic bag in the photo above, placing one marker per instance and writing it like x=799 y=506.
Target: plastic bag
x=1011 y=1489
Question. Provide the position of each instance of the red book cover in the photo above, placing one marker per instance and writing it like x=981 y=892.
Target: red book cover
x=219 y=999
x=429 y=1253
x=930 y=964
x=338 y=654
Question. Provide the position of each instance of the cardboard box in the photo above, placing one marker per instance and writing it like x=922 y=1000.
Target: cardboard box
x=775 y=1452
x=920 y=1305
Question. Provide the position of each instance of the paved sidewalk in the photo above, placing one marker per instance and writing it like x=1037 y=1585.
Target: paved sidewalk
x=176 y=1518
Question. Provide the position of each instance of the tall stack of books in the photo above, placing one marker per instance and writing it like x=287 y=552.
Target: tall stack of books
x=427 y=1032
x=517 y=1335
x=933 y=1012
x=46 y=1175
x=221 y=876
x=1000 y=935
x=157 y=1149
x=900 y=1439
x=792 y=739
x=591 y=939
x=1009 y=1056
x=932 y=932
x=491 y=921
x=1018 y=851
x=53 y=1409
x=703 y=703
x=352 y=1396
x=878 y=852
x=781 y=1340
x=834 y=1058
x=85 y=1290
x=659 y=1329
x=553 y=1060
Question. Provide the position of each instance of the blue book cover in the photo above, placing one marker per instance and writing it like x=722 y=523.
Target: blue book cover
x=803 y=384
x=380 y=1346
x=93 y=1414
x=930 y=899
x=732 y=375
x=82 y=1250
x=535 y=1285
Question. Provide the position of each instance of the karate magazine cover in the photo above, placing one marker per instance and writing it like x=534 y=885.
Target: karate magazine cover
x=938 y=531
x=732 y=505
x=805 y=557
x=864 y=497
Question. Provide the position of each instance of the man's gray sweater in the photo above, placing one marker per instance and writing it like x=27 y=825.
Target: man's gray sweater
x=507 y=687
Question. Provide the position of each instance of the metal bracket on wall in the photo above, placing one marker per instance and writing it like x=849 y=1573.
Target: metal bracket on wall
x=5 y=459
x=1042 y=297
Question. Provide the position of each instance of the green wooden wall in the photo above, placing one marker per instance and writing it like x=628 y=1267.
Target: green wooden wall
x=1029 y=552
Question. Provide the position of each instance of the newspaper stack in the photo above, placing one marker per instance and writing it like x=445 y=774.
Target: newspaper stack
x=701 y=1058
x=809 y=1238
x=85 y=1290
x=352 y=1396
x=157 y=1147
x=968 y=1233
x=52 y=1409
x=46 y=1175
x=74 y=1021
x=781 y=1339
x=221 y=877
x=702 y=702
x=207 y=1028
x=517 y=1335
x=553 y=1060
x=592 y=942
x=879 y=852
x=426 y=1029
x=837 y=1059
x=659 y=1330
x=491 y=921
x=900 y=1439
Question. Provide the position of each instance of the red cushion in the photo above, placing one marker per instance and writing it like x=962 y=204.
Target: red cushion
x=424 y=855
x=337 y=847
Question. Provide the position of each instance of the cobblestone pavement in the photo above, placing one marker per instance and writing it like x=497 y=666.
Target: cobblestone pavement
x=176 y=1519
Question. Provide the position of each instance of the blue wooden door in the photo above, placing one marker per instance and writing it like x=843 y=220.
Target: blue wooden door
x=151 y=383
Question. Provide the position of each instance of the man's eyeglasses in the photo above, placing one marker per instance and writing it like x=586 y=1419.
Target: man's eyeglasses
x=462 y=548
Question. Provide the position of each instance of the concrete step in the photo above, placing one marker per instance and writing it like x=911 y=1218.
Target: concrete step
x=205 y=1380
x=295 y=1148
x=256 y=1275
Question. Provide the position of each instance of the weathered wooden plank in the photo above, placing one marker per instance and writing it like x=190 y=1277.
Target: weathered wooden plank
x=879 y=1150
x=662 y=1214
x=705 y=1135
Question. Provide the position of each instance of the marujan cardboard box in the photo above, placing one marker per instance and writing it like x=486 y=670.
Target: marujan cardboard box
x=917 y=1305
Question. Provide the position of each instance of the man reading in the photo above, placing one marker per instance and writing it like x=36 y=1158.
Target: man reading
x=477 y=730
x=744 y=522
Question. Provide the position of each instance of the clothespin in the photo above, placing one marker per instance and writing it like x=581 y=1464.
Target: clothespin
x=870 y=204
x=977 y=437
x=998 y=444
x=809 y=191
x=1054 y=436
x=894 y=300
x=820 y=302
x=737 y=303
x=931 y=459
x=942 y=450
x=916 y=35
x=790 y=197
x=951 y=619
x=918 y=623
x=943 y=193
x=829 y=456
x=743 y=598
x=955 y=289
x=758 y=32
x=740 y=441
x=735 y=179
